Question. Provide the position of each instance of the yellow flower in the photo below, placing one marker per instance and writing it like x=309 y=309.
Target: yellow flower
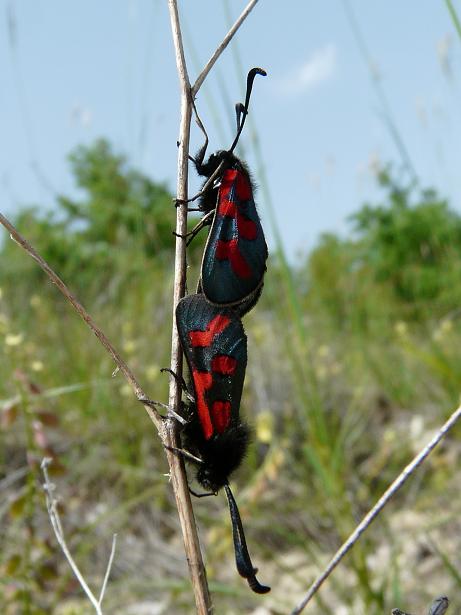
x=401 y=328
x=14 y=339
x=445 y=327
x=35 y=301
x=264 y=427
x=37 y=366
x=129 y=346
x=126 y=390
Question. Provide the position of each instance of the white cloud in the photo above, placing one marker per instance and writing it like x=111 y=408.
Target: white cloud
x=320 y=66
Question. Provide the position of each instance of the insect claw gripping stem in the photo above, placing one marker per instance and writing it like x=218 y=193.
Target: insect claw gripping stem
x=180 y=380
x=202 y=495
x=184 y=453
x=153 y=404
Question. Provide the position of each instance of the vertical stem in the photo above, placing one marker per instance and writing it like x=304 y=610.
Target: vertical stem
x=176 y=462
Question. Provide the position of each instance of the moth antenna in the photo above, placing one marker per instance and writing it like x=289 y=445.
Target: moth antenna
x=243 y=109
x=242 y=557
x=239 y=111
x=202 y=151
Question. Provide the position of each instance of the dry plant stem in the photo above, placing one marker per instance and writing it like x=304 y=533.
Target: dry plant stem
x=51 y=505
x=374 y=512
x=176 y=462
x=177 y=470
x=222 y=46
x=20 y=240
x=108 y=569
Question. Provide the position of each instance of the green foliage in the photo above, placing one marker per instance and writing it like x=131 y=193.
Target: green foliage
x=406 y=251
x=347 y=377
x=122 y=221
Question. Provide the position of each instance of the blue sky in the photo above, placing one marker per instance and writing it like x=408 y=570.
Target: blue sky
x=74 y=71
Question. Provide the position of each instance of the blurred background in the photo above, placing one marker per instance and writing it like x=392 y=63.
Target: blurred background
x=354 y=357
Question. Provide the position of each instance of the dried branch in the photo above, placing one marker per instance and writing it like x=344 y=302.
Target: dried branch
x=53 y=513
x=108 y=569
x=377 y=508
x=21 y=241
x=211 y=62
x=176 y=462
x=177 y=470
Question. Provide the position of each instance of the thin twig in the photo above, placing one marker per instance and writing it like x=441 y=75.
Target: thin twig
x=222 y=46
x=177 y=470
x=108 y=569
x=176 y=462
x=20 y=240
x=53 y=513
x=374 y=512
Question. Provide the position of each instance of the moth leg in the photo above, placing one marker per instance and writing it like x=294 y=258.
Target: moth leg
x=202 y=495
x=182 y=383
x=153 y=404
x=184 y=453
x=209 y=182
x=177 y=202
x=197 y=228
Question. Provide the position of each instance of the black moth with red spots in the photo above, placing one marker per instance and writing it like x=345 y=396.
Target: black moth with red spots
x=215 y=346
x=234 y=259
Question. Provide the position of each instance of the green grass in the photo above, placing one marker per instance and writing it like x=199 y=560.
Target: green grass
x=342 y=406
x=353 y=363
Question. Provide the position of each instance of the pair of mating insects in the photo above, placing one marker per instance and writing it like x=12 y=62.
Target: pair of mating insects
x=210 y=328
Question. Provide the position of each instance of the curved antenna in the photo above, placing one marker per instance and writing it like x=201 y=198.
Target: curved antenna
x=239 y=111
x=242 y=557
x=201 y=154
x=242 y=110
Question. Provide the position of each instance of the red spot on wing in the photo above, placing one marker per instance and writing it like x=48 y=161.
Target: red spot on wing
x=229 y=250
x=246 y=228
x=221 y=411
x=223 y=364
x=227 y=182
x=202 y=383
x=226 y=207
x=243 y=187
x=214 y=327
